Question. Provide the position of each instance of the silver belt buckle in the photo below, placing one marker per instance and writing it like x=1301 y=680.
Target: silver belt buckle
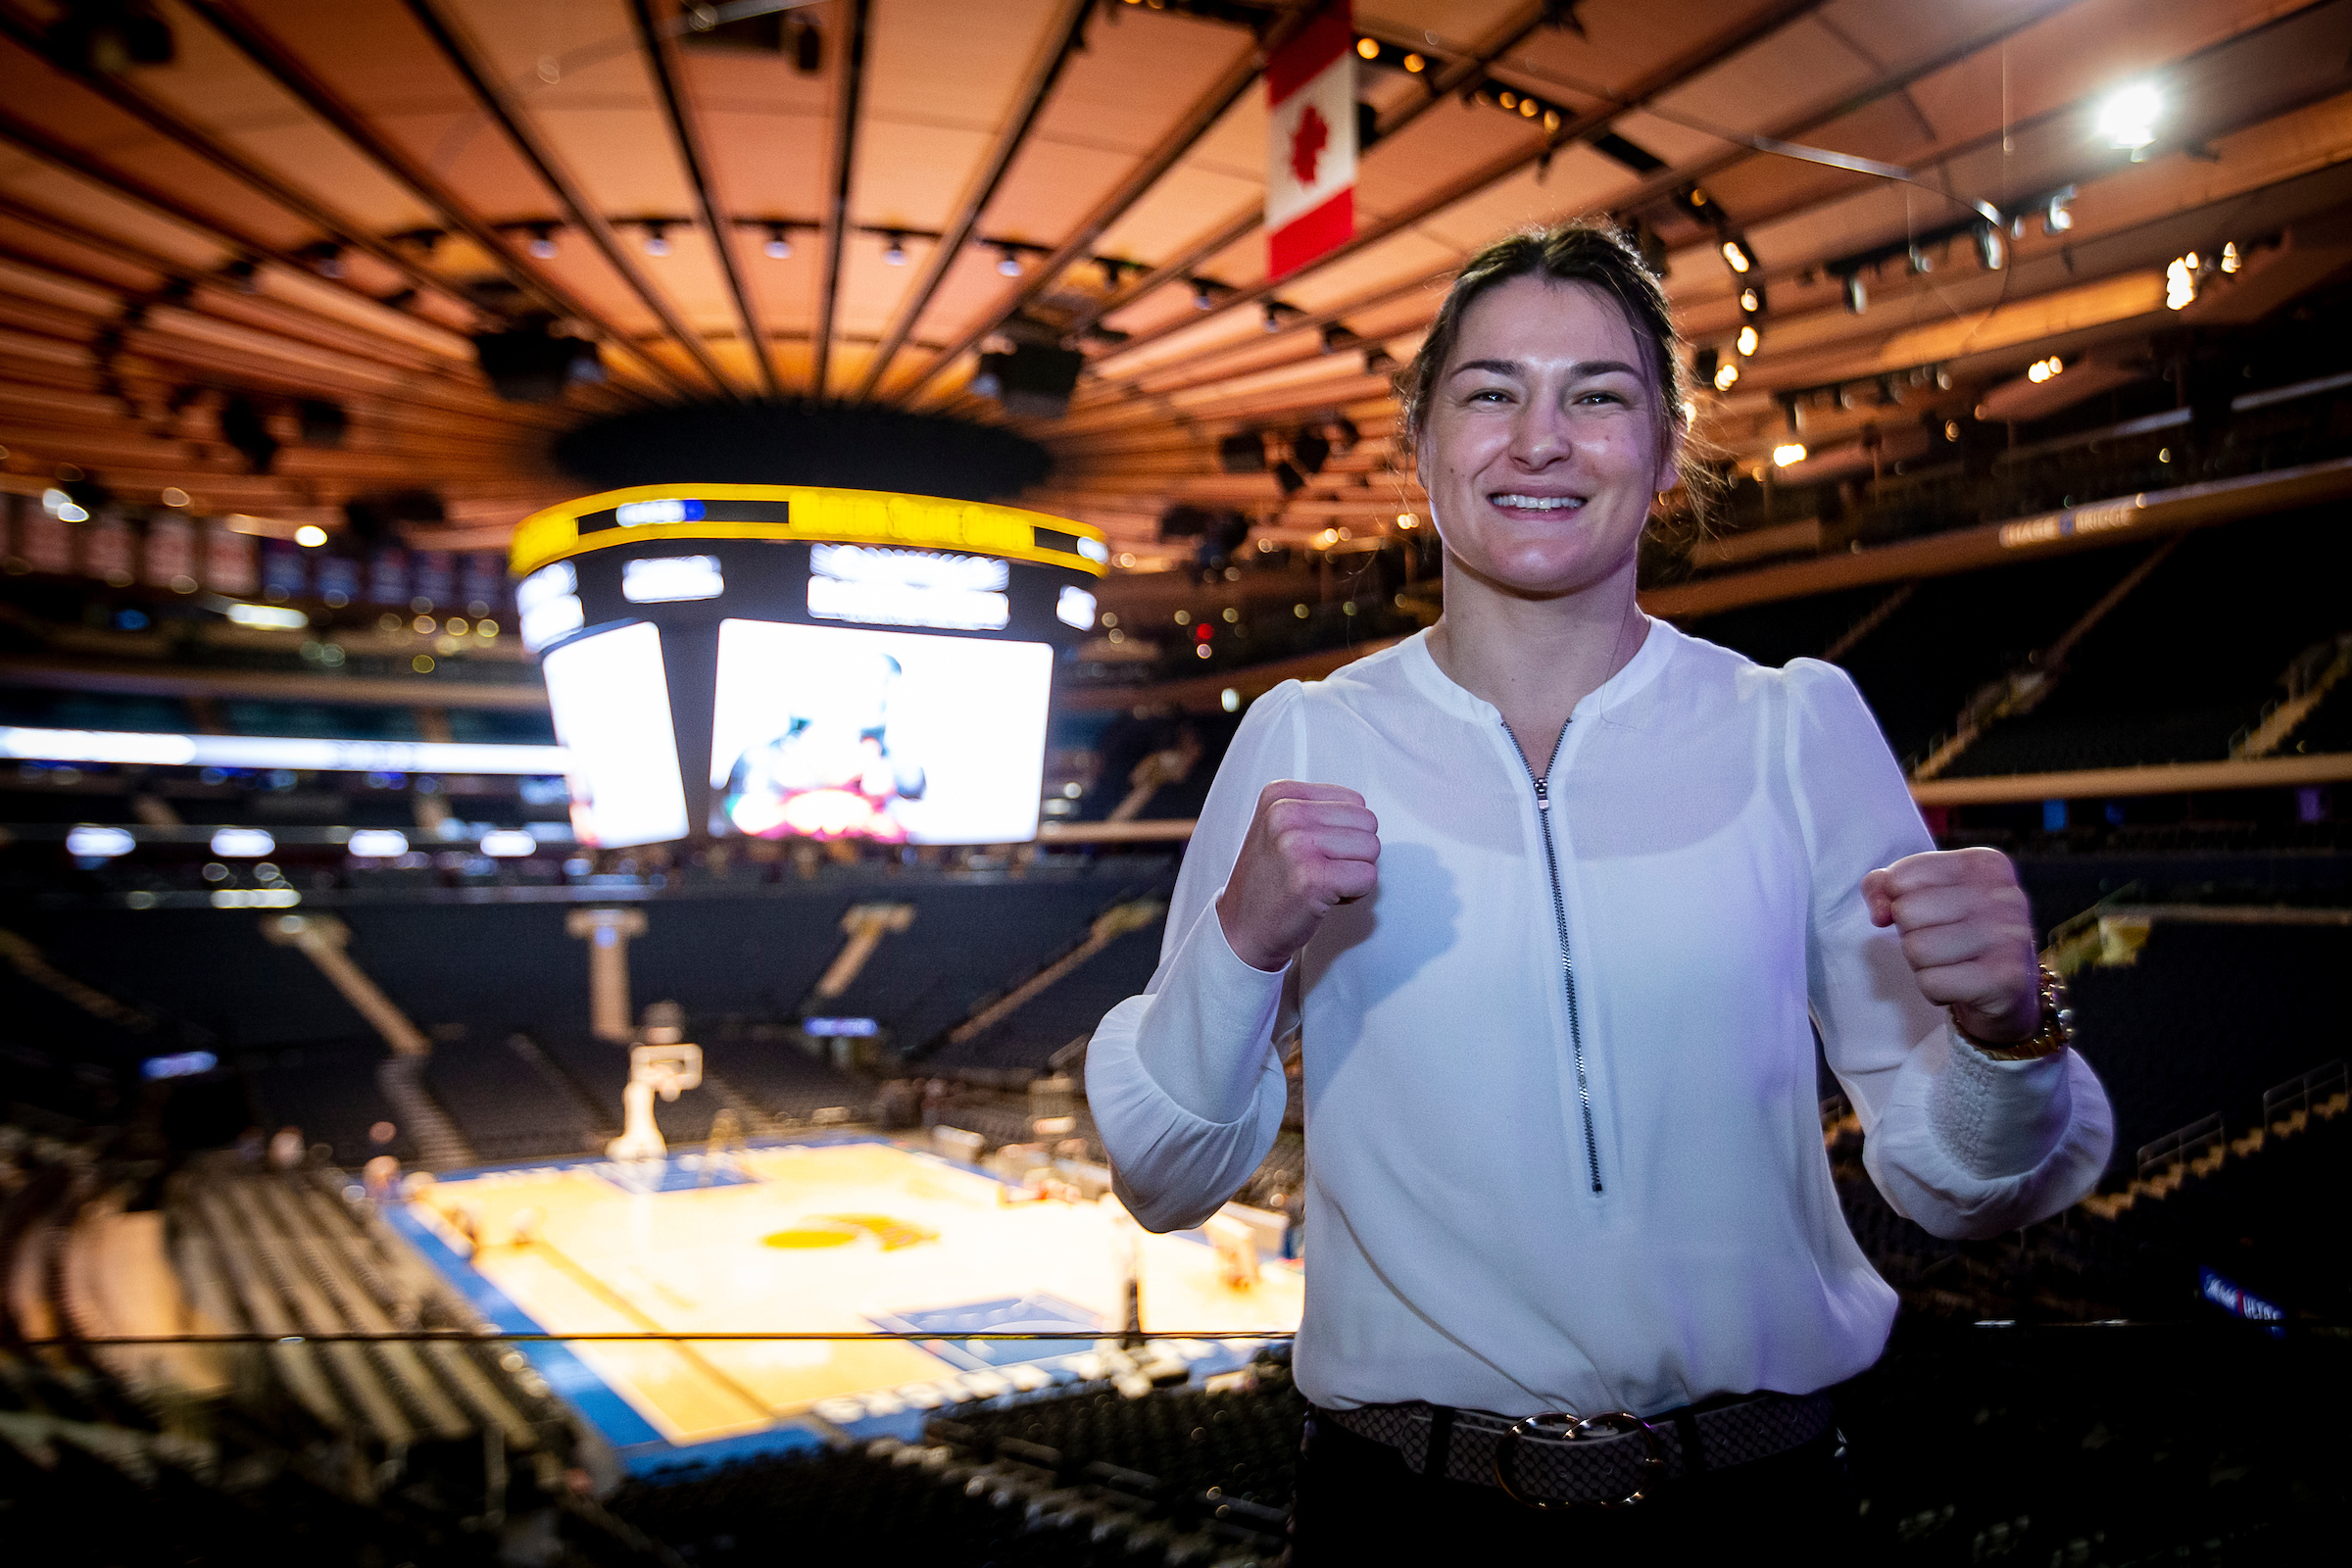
x=1567 y=1427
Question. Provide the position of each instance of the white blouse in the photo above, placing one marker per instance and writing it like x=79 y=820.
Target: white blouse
x=1563 y=1144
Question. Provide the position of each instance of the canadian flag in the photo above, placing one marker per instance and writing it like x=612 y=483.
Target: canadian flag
x=1310 y=142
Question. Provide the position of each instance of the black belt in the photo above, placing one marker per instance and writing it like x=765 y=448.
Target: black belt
x=1613 y=1461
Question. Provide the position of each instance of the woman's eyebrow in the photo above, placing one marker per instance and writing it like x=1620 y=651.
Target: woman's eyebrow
x=1582 y=371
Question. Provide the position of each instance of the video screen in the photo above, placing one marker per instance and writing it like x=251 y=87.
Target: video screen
x=611 y=699
x=827 y=732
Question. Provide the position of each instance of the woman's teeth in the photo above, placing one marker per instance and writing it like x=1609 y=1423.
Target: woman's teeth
x=1539 y=503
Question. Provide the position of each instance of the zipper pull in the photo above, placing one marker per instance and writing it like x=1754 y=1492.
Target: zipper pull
x=1543 y=797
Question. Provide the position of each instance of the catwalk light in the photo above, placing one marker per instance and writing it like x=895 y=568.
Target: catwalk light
x=509 y=844
x=91 y=842
x=1203 y=297
x=779 y=243
x=2128 y=116
x=1368 y=48
x=1009 y=262
x=1736 y=254
x=1993 y=252
x=2058 y=213
x=870 y=666
x=542 y=247
x=2041 y=371
x=2180 y=283
x=894 y=249
x=1857 y=298
x=1751 y=299
x=2231 y=261
x=1788 y=453
x=242 y=844
x=378 y=842
x=1749 y=340
x=1727 y=375
x=656 y=239
x=63 y=506
x=309 y=536
x=270 y=617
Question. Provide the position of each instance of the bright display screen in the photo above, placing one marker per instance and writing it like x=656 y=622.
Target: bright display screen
x=897 y=737
x=611 y=699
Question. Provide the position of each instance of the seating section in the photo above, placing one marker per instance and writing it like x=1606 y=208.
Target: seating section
x=511 y=1103
x=205 y=967
x=1066 y=1011
x=2187 y=659
x=1772 y=634
x=2209 y=1018
x=331 y=1091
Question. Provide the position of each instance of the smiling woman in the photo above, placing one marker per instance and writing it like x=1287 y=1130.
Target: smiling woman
x=1561 y=872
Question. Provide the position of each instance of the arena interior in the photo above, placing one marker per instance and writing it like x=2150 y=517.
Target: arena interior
x=402 y=1164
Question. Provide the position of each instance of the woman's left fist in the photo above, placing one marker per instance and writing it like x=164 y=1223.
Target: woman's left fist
x=1968 y=935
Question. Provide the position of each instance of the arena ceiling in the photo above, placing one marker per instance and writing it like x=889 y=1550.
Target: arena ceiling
x=318 y=202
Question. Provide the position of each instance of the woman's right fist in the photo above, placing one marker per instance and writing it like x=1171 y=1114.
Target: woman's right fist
x=1310 y=848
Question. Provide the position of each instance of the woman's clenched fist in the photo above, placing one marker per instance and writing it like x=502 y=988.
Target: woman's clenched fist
x=1310 y=848
x=1968 y=935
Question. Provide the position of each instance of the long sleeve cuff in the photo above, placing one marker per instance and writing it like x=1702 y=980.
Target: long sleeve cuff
x=1969 y=1146
x=1203 y=1035
x=1183 y=1086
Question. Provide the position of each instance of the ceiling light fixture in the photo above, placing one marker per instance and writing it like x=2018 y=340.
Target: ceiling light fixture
x=779 y=243
x=1857 y=298
x=1789 y=453
x=656 y=238
x=2041 y=371
x=1738 y=255
x=2126 y=117
x=1751 y=299
x=542 y=247
x=894 y=249
x=1727 y=375
x=2057 y=217
x=1415 y=64
x=2180 y=283
x=1369 y=48
x=2231 y=261
x=1749 y=340
x=1993 y=252
x=1009 y=262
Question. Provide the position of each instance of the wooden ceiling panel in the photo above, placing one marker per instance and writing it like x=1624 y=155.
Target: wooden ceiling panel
x=208 y=84
x=1223 y=174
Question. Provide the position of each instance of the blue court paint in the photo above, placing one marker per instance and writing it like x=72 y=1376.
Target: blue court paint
x=570 y=1377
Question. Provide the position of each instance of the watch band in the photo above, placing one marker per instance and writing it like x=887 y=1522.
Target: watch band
x=2056 y=1033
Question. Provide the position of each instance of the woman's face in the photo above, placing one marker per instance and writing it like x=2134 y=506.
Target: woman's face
x=1540 y=452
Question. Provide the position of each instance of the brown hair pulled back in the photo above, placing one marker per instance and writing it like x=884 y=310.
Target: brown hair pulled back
x=1575 y=251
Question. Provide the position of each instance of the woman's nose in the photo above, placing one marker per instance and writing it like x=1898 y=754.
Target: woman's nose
x=1540 y=434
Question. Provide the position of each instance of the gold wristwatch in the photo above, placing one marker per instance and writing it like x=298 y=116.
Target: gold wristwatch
x=2056 y=1033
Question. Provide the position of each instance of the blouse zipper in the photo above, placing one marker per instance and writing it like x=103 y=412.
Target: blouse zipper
x=1559 y=916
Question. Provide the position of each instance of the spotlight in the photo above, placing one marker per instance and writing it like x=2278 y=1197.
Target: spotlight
x=1009 y=262
x=1337 y=335
x=1273 y=320
x=2126 y=117
x=894 y=250
x=779 y=243
x=2180 y=283
x=1751 y=299
x=1738 y=255
x=325 y=258
x=656 y=239
x=1727 y=375
x=1919 y=261
x=1368 y=48
x=542 y=247
x=2231 y=261
x=1788 y=453
x=1993 y=252
x=2041 y=371
x=1749 y=341
x=309 y=536
x=1857 y=298
x=2057 y=215
x=1204 y=294
x=1415 y=64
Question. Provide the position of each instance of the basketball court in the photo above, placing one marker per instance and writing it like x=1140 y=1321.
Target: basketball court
x=847 y=1234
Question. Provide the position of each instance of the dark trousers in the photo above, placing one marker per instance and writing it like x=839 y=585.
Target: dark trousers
x=1359 y=1503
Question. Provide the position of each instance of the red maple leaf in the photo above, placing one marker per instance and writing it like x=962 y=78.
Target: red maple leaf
x=1307 y=143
